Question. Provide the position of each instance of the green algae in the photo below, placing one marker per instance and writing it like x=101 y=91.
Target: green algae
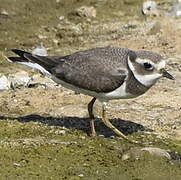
x=35 y=151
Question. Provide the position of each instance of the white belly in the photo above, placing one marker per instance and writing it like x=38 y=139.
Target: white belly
x=119 y=93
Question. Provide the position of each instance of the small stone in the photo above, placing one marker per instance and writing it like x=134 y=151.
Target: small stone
x=38 y=79
x=149 y=8
x=19 y=79
x=40 y=50
x=157 y=151
x=40 y=36
x=15 y=100
x=16 y=164
x=61 y=18
x=69 y=30
x=86 y=11
x=60 y=132
x=133 y=153
x=4 y=83
x=125 y=156
x=4 y=12
x=137 y=153
x=81 y=175
x=82 y=137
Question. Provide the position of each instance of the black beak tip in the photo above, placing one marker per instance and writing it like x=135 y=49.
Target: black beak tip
x=167 y=75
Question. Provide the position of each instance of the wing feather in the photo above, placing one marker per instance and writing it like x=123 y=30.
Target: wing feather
x=97 y=70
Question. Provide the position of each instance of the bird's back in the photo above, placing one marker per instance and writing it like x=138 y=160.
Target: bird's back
x=99 y=69
x=107 y=56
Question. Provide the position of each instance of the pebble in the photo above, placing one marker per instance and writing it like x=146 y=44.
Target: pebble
x=81 y=175
x=38 y=79
x=61 y=18
x=40 y=36
x=69 y=30
x=137 y=153
x=19 y=79
x=60 y=132
x=86 y=11
x=4 y=12
x=157 y=151
x=149 y=8
x=22 y=79
x=4 y=83
x=40 y=50
x=16 y=164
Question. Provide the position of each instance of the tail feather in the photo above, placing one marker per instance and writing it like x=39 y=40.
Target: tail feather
x=42 y=63
x=17 y=59
x=19 y=52
x=41 y=60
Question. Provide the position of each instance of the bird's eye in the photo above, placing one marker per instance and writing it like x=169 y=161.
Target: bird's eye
x=148 y=66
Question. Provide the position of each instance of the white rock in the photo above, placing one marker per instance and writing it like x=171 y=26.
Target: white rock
x=149 y=8
x=40 y=36
x=19 y=79
x=38 y=79
x=4 y=12
x=86 y=11
x=40 y=50
x=157 y=151
x=81 y=175
x=137 y=153
x=61 y=18
x=4 y=83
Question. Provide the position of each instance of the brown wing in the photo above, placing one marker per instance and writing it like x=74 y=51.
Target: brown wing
x=100 y=70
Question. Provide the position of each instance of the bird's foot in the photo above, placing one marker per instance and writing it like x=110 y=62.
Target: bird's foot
x=93 y=134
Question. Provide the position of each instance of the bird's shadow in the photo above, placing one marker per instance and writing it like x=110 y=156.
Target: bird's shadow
x=125 y=126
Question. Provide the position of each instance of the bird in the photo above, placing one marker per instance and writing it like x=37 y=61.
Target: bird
x=105 y=73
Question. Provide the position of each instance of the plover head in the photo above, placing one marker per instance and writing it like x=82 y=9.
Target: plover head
x=148 y=67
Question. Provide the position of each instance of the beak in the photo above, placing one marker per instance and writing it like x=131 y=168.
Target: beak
x=166 y=74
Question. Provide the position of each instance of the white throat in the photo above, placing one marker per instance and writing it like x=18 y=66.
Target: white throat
x=147 y=80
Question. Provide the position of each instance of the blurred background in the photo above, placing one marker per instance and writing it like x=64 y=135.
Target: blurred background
x=67 y=26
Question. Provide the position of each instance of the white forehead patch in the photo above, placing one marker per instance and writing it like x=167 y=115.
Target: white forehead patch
x=141 y=61
x=147 y=80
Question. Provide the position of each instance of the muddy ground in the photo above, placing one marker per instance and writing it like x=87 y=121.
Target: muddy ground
x=44 y=132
